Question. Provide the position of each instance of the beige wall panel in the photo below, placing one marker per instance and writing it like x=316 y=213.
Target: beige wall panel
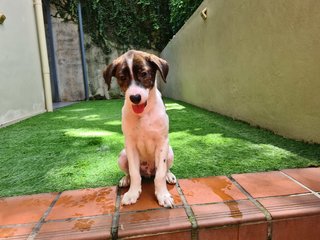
x=253 y=60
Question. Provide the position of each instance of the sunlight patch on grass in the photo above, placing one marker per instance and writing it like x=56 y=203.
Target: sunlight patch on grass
x=79 y=110
x=60 y=117
x=92 y=117
x=221 y=154
x=174 y=106
x=83 y=132
x=270 y=151
x=114 y=123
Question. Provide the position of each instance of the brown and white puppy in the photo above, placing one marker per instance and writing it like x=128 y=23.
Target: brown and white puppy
x=145 y=125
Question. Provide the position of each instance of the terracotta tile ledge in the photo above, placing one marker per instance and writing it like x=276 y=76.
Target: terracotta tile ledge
x=270 y=205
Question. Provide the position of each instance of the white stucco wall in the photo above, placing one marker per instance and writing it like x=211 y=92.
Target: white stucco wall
x=21 y=87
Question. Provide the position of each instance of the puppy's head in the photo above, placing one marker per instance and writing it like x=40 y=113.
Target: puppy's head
x=135 y=72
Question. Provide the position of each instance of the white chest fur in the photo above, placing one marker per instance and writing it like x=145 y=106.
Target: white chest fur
x=146 y=131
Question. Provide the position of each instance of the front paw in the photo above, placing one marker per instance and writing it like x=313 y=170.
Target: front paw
x=165 y=199
x=125 y=181
x=171 y=178
x=130 y=197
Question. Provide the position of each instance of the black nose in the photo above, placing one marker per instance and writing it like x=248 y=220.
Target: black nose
x=135 y=98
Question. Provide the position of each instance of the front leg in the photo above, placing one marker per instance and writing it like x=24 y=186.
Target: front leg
x=133 y=194
x=161 y=191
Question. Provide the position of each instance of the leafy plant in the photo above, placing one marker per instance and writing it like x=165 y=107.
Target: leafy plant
x=124 y=24
x=180 y=11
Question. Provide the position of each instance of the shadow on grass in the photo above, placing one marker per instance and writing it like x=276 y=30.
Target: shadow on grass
x=222 y=146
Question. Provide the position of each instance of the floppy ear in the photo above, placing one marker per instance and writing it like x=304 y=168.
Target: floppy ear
x=108 y=73
x=160 y=65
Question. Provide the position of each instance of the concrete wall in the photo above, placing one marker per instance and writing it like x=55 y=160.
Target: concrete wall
x=21 y=88
x=254 y=60
x=68 y=60
x=96 y=62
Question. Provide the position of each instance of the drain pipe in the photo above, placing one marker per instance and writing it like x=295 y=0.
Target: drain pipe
x=51 y=51
x=43 y=54
x=83 y=53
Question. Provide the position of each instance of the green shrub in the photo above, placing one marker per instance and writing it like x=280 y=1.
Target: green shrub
x=127 y=24
x=180 y=11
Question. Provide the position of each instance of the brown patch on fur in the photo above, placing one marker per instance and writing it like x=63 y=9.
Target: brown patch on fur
x=144 y=68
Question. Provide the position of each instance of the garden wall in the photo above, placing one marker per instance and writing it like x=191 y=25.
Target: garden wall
x=21 y=86
x=254 y=60
x=68 y=60
x=96 y=62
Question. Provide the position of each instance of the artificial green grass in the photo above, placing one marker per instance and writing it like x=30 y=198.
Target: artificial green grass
x=77 y=147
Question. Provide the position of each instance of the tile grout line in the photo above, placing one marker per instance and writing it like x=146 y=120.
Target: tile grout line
x=300 y=184
x=116 y=216
x=189 y=212
x=258 y=205
x=38 y=226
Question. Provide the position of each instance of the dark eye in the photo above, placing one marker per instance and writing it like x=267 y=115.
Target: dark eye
x=143 y=74
x=122 y=78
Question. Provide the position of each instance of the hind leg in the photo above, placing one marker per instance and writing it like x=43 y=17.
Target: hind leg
x=170 y=178
x=123 y=165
